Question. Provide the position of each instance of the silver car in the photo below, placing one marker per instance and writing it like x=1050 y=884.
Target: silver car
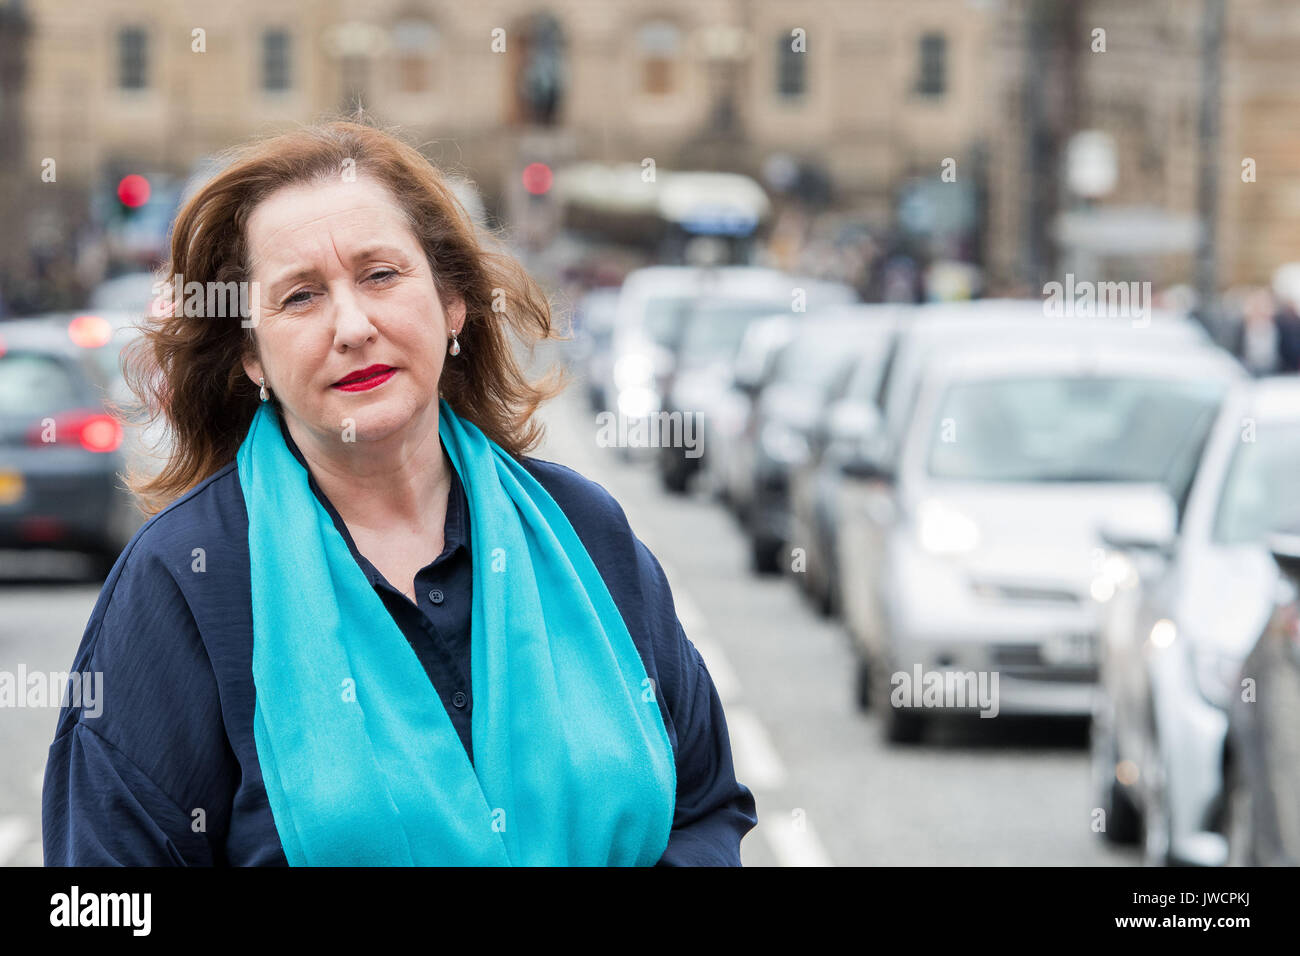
x=969 y=558
x=1182 y=615
x=653 y=305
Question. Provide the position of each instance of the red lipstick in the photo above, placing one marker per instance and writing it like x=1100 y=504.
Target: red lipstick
x=365 y=378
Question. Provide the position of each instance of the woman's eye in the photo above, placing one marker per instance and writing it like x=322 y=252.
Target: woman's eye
x=295 y=300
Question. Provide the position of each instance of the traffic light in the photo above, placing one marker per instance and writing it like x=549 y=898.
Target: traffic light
x=132 y=193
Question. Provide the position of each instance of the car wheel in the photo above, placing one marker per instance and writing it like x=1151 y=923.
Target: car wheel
x=1123 y=821
x=901 y=725
x=862 y=685
x=765 y=555
x=826 y=603
x=674 y=478
x=1238 y=822
x=1156 y=825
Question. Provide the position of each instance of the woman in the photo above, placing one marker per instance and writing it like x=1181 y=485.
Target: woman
x=366 y=628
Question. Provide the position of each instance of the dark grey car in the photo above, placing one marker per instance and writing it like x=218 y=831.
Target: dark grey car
x=61 y=452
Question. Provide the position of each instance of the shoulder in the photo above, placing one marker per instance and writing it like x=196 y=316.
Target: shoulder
x=210 y=516
x=572 y=488
x=215 y=504
x=149 y=632
x=181 y=570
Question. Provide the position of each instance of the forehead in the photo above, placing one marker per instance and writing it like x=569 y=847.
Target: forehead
x=324 y=217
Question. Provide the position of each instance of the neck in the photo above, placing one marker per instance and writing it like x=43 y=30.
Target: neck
x=401 y=480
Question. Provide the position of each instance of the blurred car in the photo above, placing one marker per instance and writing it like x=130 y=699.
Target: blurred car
x=1172 y=649
x=593 y=325
x=947 y=327
x=1262 y=817
x=131 y=293
x=729 y=464
x=808 y=371
x=971 y=550
x=935 y=330
x=653 y=306
x=816 y=485
x=61 y=451
x=703 y=371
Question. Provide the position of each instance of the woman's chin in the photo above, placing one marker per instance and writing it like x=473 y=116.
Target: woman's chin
x=376 y=420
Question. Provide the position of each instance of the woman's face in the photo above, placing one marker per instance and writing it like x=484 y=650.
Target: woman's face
x=344 y=286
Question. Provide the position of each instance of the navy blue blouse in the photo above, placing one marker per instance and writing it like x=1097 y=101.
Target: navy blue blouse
x=167 y=772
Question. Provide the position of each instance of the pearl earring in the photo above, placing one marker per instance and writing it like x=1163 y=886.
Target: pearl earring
x=262 y=394
x=455 y=343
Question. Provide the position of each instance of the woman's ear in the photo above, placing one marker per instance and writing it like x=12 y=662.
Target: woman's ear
x=456 y=316
x=252 y=366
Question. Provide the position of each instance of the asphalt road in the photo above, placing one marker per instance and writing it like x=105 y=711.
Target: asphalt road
x=829 y=790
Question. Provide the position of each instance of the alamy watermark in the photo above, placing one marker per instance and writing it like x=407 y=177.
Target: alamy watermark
x=656 y=430
x=949 y=689
x=53 y=689
x=1090 y=300
x=212 y=300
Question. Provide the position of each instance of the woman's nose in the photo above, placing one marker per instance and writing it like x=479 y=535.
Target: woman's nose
x=352 y=326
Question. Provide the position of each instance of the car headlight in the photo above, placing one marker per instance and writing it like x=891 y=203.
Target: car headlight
x=632 y=370
x=942 y=529
x=784 y=444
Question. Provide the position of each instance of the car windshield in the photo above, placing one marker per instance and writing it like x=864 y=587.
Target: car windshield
x=32 y=383
x=1077 y=428
x=868 y=375
x=1261 y=493
x=663 y=318
x=818 y=359
x=714 y=330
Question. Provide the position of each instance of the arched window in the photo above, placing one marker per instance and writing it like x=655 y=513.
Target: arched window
x=414 y=44
x=791 y=80
x=658 y=46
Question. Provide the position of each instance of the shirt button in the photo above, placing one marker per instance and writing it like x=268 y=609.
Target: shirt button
x=459 y=699
x=436 y=596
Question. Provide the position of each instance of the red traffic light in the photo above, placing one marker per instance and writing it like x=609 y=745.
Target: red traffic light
x=133 y=191
x=538 y=178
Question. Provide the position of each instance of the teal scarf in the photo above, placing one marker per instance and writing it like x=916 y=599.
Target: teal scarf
x=362 y=766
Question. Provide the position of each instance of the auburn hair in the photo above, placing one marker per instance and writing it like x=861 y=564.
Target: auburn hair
x=187 y=372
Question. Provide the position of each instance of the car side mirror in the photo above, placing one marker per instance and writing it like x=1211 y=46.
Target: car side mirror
x=1152 y=529
x=871 y=461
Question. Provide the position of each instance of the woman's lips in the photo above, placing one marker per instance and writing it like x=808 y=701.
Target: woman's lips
x=366 y=379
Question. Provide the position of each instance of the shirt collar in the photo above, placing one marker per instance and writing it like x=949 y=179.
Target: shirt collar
x=455 y=527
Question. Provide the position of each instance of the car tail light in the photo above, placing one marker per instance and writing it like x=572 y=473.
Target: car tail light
x=93 y=431
x=1288 y=619
x=90 y=331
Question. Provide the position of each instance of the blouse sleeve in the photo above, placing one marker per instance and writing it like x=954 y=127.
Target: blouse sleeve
x=128 y=780
x=714 y=811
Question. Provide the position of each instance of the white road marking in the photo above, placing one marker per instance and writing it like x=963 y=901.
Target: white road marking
x=792 y=838
x=13 y=834
x=757 y=764
x=724 y=678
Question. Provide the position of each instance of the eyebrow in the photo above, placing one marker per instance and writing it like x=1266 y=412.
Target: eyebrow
x=362 y=254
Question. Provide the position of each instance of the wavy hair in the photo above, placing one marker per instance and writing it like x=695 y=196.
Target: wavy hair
x=188 y=372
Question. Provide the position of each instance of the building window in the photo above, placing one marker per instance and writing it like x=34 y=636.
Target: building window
x=932 y=79
x=275 y=60
x=414 y=43
x=791 y=80
x=659 y=45
x=132 y=58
